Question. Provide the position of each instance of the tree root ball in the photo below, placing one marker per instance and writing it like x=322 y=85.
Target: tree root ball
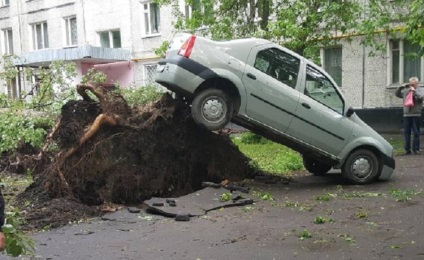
x=155 y=150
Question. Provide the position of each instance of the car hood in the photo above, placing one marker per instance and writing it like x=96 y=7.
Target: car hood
x=361 y=129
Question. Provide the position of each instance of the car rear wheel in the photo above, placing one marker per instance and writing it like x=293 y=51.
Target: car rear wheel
x=315 y=167
x=361 y=167
x=212 y=108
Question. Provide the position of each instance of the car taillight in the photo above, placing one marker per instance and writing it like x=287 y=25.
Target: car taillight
x=187 y=47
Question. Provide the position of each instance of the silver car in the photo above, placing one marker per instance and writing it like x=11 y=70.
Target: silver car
x=278 y=94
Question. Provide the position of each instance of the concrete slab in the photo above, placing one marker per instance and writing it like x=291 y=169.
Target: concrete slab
x=196 y=204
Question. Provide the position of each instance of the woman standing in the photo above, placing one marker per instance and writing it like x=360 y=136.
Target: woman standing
x=412 y=114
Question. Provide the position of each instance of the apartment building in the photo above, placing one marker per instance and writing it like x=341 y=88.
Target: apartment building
x=121 y=35
x=370 y=81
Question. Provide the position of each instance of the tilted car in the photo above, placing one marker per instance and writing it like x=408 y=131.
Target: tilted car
x=278 y=94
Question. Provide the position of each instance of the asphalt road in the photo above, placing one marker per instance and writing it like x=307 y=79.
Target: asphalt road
x=364 y=222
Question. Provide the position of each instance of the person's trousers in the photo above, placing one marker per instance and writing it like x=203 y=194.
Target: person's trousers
x=412 y=126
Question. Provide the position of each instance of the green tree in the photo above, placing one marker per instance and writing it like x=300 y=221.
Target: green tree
x=384 y=20
x=415 y=22
x=305 y=25
x=300 y=25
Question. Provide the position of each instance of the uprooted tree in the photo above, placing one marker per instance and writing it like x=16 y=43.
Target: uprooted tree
x=111 y=152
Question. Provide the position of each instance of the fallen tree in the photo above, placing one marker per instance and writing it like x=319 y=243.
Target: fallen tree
x=111 y=152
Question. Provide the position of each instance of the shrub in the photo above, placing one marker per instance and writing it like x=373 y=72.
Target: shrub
x=142 y=95
x=17 y=243
x=16 y=129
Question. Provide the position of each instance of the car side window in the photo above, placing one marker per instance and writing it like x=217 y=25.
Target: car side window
x=320 y=88
x=279 y=65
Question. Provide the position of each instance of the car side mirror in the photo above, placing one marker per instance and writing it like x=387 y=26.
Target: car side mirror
x=350 y=112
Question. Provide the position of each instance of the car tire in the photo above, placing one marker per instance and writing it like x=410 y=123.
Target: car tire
x=361 y=167
x=315 y=167
x=212 y=108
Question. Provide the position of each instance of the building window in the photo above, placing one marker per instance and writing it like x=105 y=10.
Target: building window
x=71 y=31
x=151 y=18
x=333 y=63
x=4 y=2
x=194 y=7
x=40 y=36
x=405 y=61
x=110 y=39
x=7 y=41
x=395 y=61
x=149 y=74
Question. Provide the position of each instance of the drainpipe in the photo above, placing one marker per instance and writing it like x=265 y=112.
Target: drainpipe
x=363 y=75
x=83 y=21
x=363 y=61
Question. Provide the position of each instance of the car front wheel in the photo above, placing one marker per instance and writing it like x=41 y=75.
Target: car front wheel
x=361 y=167
x=212 y=108
x=315 y=167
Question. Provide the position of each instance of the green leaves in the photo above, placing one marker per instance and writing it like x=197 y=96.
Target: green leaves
x=17 y=243
x=299 y=25
x=94 y=76
x=19 y=129
x=226 y=196
x=305 y=234
x=322 y=220
x=141 y=95
x=305 y=26
x=404 y=195
x=162 y=49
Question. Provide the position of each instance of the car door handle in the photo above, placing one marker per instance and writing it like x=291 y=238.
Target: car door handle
x=306 y=105
x=250 y=75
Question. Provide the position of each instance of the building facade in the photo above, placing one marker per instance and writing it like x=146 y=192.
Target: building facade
x=87 y=32
x=119 y=38
x=371 y=81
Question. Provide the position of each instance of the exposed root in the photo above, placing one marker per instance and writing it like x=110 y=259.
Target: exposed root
x=100 y=120
x=82 y=90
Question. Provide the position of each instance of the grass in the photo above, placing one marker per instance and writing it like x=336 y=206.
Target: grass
x=276 y=158
x=397 y=143
x=271 y=157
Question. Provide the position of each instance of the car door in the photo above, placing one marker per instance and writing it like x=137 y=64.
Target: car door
x=270 y=77
x=319 y=119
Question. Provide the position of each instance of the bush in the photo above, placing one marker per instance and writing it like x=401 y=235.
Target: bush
x=252 y=138
x=142 y=95
x=16 y=129
x=17 y=243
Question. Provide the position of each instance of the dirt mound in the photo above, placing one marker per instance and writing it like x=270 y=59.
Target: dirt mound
x=155 y=150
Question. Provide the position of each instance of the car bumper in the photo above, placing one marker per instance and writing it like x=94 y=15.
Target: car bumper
x=181 y=75
x=388 y=168
x=175 y=78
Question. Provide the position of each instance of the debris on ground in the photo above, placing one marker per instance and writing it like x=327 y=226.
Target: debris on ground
x=196 y=204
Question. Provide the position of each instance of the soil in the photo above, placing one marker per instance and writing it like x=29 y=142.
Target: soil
x=163 y=154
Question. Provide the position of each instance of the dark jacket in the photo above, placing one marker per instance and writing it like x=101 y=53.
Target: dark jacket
x=1 y=210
